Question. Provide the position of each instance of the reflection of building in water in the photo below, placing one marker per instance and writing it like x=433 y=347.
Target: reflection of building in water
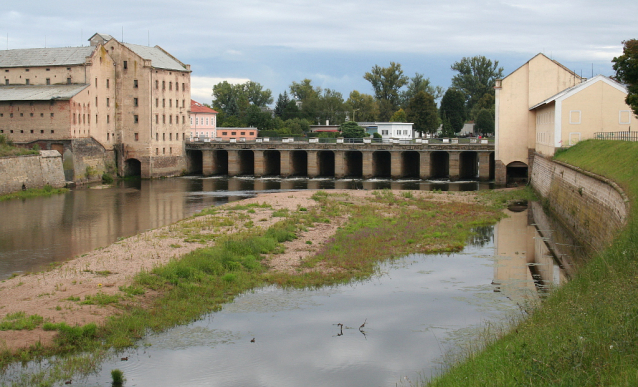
x=524 y=263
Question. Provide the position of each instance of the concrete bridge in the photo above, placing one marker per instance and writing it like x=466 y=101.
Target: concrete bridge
x=394 y=160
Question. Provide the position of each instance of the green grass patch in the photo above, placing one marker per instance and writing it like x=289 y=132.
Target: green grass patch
x=586 y=332
x=19 y=321
x=34 y=192
x=7 y=149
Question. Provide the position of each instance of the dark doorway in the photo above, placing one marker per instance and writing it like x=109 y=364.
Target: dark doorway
x=381 y=164
x=326 y=161
x=411 y=164
x=439 y=165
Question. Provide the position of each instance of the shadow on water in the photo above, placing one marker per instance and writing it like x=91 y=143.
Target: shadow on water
x=394 y=326
x=47 y=230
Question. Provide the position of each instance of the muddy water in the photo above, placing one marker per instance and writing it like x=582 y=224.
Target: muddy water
x=41 y=231
x=415 y=311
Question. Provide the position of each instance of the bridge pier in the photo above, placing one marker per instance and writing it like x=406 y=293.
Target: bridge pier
x=484 y=166
x=396 y=165
x=260 y=167
x=454 y=166
x=313 y=164
x=285 y=166
x=234 y=163
x=424 y=168
x=340 y=164
x=368 y=165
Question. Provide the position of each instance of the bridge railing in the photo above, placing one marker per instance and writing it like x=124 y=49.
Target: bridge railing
x=623 y=136
x=468 y=140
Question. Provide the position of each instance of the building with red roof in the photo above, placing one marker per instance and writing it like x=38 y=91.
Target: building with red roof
x=203 y=121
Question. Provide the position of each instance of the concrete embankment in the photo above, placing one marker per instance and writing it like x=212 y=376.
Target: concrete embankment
x=592 y=207
x=32 y=171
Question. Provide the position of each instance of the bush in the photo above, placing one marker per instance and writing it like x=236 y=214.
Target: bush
x=107 y=179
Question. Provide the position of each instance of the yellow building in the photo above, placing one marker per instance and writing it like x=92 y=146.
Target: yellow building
x=109 y=103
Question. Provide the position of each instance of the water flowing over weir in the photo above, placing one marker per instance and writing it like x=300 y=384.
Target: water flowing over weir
x=46 y=230
x=417 y=308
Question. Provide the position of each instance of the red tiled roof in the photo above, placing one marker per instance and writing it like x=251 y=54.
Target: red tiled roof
x=197 y=107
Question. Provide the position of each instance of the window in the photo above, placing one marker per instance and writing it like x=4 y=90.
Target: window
x=96 y=118
x=137 y=137
x=624 y=117
x=74 y=119
x=170 y=119
x=163 y=102
x=163 y=136
x=243 y=134
x=135 y=118
x=96 y=83
x=52 y=131
x=31 y=116
x=68 y=81
x=108 y=118
x=135 y=83
x=48 y=81
x=176 y=136
x=41 y=131
x=27 y=81
x=156 y=151
x=107 y=83
x=48 y=69
x=183 y=119
x=163 y=118
x=183 y=87
x=157 y=118
x=183 y=103
x=163 y=151
x=27 y=70
x=170 y=103
x=163 y=85
x=170 y=85
x=156 y=102
x=156 y=84
x=170 y=137
x=108 y=102
x=95 y=101
x=6 y=82
x=156 y=136
x=41 y=114
x=135 y=102
x=51 y=117
x=224 y=133
x=574 y=117
x=108 y=135
x=125 y=65
x=233 y=133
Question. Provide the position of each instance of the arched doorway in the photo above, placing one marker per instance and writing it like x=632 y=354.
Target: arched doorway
x=516 y=173
x=132 y=167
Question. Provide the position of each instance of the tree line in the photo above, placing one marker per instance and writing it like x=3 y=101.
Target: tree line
x=396 y=98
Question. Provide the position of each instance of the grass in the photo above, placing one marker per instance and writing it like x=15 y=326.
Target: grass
x=7 y=149
x=47 y=190
x=202 y=281
x=586 y=332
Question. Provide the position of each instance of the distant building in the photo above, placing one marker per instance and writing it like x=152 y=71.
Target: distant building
x=203 y=121
x=110 y=103
x=543 y=106
x=237 y=134
x=389 y=130
x=324 y=128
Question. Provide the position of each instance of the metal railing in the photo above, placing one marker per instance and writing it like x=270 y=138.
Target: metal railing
x=623 y=136
x=416 y=141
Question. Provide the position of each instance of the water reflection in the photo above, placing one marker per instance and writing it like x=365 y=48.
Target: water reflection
x=40 y=231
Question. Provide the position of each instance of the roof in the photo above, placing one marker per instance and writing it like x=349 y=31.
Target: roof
x=198 y=107
x=39 y=92
x=583 y=85
x=159 y=58
x=105 y=37
x=33 y=57
x=545 y=56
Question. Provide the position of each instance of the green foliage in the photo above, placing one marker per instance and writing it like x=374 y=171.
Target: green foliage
x=233 y=101
x=117 y=377
x=19 y=321
x=350 y=129
x=419 y=83
x=107 y=178
x=386 y=82
x=453 y=108
x=8 y=149
x=486 y=102
x=626 y=67
x=476 y=77
x=484 y=122
x=362 y=106
x=376 y=135
x=423 y=113
x=47 y=190
x=399 y=116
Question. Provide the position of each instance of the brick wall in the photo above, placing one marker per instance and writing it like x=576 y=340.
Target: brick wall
x=591 y=207
x=31 y=171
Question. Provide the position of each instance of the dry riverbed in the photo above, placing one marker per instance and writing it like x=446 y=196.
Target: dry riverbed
x=64 y=293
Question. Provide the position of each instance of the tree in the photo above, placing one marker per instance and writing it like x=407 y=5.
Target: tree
x=423 y=113
x=476 y=77
x=386 y=82
x=453 y=108
x=362 y=106
x=626 y=67
x=419 y=83
x=486 y=102
x=484 y=122
x=256 y=95
x=350 y=129
x=282 y=102
x=297 y=126
x=234 y=100
x=304 y=90
x=399 y=116
x=446 y=127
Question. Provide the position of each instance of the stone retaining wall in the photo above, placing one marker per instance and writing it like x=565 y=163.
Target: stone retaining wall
x=592 y=207
x=32 y=171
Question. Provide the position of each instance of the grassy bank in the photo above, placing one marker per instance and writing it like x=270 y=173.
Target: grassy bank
x=586 y=332
x=33 y=192
x=384 y=226
x=8 y=149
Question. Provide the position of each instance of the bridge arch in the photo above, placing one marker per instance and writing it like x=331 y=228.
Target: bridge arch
x=381 y=164
x=132 y=167
x=246 y=162
x=468 y=165
x=272 y=163
x=353 y=163
x=516 y=173
x=326 y=161
x=195 y=161
x=439 y=165
x=411 y=164
x=299 y=163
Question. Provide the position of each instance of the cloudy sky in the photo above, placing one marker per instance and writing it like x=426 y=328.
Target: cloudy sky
x=334 y=42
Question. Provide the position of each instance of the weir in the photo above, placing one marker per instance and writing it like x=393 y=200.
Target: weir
x=339 y=160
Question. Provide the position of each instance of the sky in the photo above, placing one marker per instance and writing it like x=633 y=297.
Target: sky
x=334 y=42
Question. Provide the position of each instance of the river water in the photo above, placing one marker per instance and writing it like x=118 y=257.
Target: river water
x=37 y=232
x=418 y=309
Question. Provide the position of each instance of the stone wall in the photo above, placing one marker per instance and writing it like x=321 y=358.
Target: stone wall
x=592 y=207
x=33 y=171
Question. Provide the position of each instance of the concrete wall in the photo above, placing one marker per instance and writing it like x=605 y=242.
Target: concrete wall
x=591 y=207
x=31 y=171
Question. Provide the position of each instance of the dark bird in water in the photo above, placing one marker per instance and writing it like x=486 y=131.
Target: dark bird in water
x=68 y=382
x=124 y=359
x=253 y=340
x=364 y=324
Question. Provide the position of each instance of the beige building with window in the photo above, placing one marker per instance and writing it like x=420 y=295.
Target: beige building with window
x=543 y=106
x=109 y=103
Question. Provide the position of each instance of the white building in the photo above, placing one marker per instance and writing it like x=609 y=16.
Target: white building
x=390 y=130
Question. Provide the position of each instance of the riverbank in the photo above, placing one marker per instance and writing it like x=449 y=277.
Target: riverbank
x=34 y=192
x=586 y=332
x=174 y=274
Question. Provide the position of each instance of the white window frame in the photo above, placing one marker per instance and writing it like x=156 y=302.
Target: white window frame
x=620 y=116
x=580 y=116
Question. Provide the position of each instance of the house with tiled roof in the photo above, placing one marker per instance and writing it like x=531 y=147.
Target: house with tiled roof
x=203 y=121
x=109 y=103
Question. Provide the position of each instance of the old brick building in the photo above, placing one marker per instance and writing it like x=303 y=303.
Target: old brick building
x=110 y=103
